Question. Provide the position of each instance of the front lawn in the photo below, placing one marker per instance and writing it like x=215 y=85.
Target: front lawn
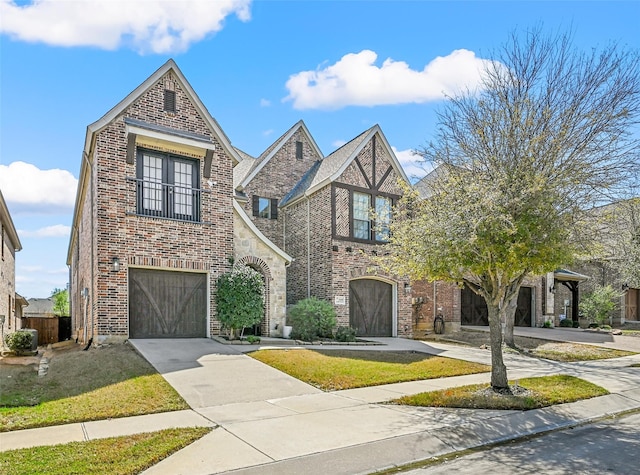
x=100 y=383
x=531 y=393
x=571 y=352
x=345 y=369
x=116 y=456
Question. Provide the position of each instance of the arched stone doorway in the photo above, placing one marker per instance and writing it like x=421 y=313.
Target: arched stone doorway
x=260 y=266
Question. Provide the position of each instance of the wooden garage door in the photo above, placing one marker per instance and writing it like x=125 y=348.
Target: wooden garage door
x=371 y=307
x=473 y=308
x=164 y=304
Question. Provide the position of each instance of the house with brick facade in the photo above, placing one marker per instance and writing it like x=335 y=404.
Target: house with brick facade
x=10 y=302
x=332 y=235
x=156 y=220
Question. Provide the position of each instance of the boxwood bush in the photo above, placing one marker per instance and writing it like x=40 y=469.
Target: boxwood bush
x=19 y=341
x=312 y=318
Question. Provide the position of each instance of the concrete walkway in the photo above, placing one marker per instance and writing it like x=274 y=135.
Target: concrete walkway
x=266 y=422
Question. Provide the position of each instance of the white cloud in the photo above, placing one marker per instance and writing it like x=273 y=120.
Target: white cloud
x=265 y=102
x=157 y=26
x=58 y=230
x=29 y=189
x=266 y=133
x=414 y=165
x=338 y=143
x=356 y=80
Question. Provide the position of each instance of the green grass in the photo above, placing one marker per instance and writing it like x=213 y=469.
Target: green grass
x=631 y=332
x=115 y=456
x=543 y=391
x=346 y=369
x=80 y=386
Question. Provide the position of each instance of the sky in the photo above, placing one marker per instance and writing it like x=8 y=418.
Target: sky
x=258 y=66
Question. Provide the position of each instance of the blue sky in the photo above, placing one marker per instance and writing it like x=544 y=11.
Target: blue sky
x=259 y=67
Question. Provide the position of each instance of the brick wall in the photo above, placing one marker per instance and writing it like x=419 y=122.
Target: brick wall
x=7 y=282
x=335 y=262
x=278 y=176
x=143 y=241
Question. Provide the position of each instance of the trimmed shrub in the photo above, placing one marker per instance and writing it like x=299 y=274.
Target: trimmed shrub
x=599 y=304
x=239 y=299
x=345 y=334
x=19 y=341
x=312 y=318
x=566 y=323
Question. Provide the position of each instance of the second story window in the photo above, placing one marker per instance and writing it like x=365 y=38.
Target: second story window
x=168 y=186
x=366 y=226
x=361 y=221
x=265 y=207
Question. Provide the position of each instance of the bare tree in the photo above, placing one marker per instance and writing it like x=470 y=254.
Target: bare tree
x=518 y=163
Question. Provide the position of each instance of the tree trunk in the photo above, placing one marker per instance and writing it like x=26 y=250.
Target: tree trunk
x=510 y=317
x=499 y=380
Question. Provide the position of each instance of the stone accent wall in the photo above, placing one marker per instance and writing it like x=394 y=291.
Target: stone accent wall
x=144 y=241
x=251 y=251
x=277 y=178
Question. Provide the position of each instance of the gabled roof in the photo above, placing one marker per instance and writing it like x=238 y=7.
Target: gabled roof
x=242 y=169
x=7 y=224
x=265 y=156
x=427 y=185
x=267 y=242
x=331 y=167
x=106 y=119
x=170 y=65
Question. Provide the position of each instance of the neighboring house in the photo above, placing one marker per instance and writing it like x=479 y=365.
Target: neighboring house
x=40 y=308
x=460 y=306
x=156 y=222
x=9 y=245
x=331 y=233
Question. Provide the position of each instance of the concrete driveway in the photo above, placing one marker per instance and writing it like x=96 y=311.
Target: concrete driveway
x=206 y=373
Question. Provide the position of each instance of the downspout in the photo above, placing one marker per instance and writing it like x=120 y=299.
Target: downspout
x=435 y=307
x=91 y=281
x=308 y=247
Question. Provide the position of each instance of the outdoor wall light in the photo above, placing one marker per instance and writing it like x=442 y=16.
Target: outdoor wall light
x=625 y=287
x=407 y=288
x=115 y=264
x=552 y=289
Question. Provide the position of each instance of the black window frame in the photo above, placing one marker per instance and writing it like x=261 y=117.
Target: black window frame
x=169 y=206
x=373 y=226
x=257 y=209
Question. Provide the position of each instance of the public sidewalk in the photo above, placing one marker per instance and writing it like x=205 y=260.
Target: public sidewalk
x=268 y=423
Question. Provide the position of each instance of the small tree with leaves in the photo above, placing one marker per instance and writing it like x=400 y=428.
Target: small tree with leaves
x=240 y=299
x=60 y=302
x=598 y=304
x=519 y=162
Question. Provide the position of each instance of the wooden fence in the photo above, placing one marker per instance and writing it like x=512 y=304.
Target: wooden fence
x=50 y=330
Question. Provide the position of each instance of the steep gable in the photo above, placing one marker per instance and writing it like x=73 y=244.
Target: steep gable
x=340 y=166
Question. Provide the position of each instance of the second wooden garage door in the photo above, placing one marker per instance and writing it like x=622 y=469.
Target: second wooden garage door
x=165 y=304
x=371 y=307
